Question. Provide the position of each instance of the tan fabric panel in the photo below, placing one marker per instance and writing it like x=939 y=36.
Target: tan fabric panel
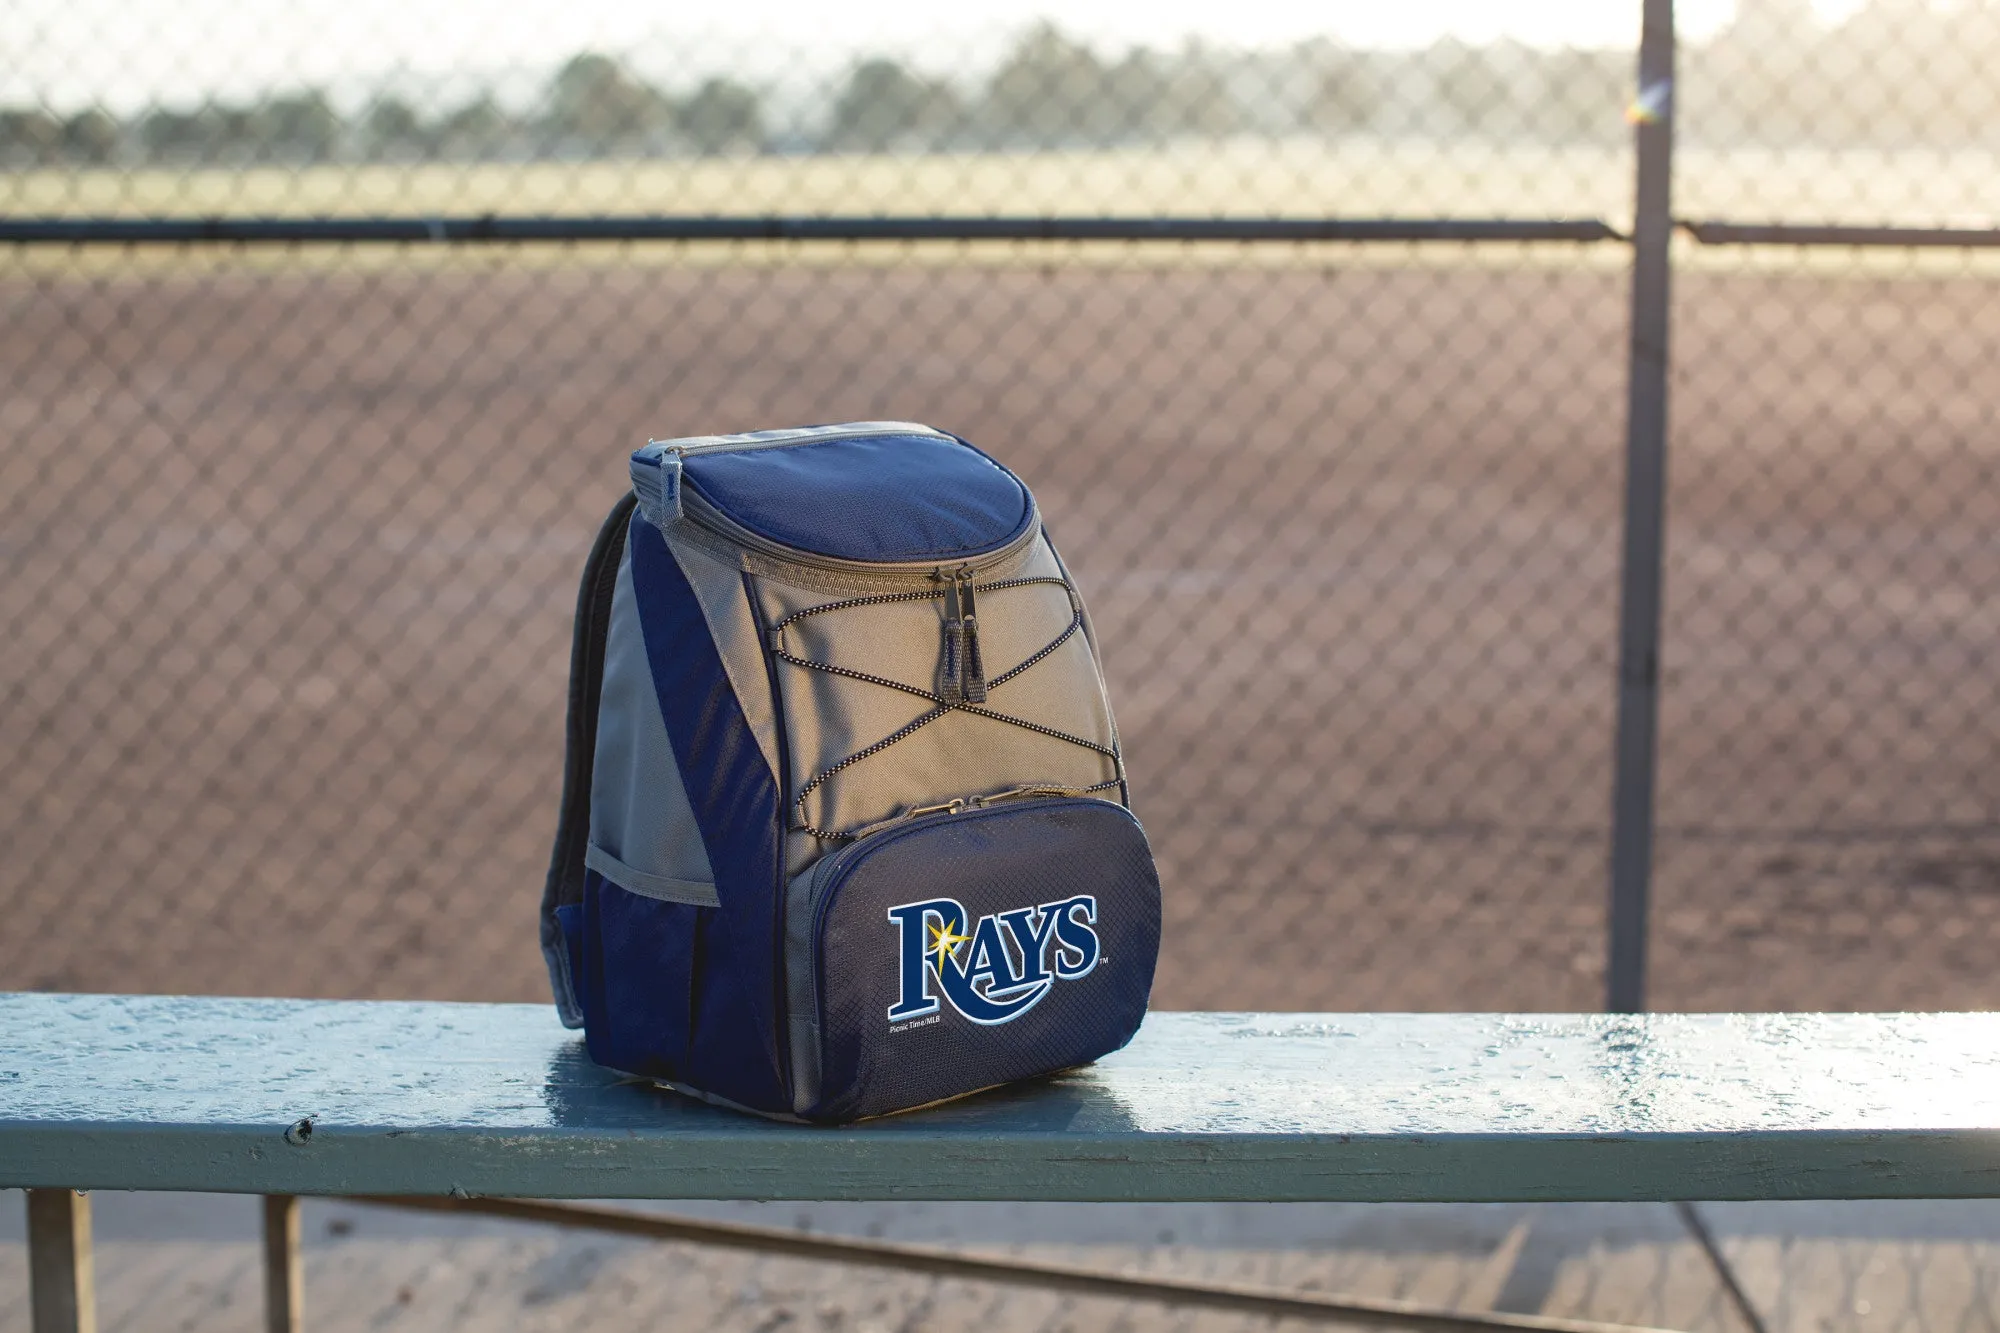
x=830 y=717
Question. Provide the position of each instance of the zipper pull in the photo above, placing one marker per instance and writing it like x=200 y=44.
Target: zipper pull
x=951 y=669
x=973 y=671
x=1015 y=793
x=951 y=807
x=656 y=476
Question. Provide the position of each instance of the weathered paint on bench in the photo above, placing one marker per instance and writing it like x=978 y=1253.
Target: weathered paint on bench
x=135 y=1092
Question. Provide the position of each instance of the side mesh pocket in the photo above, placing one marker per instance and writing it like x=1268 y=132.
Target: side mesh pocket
x=635 y=960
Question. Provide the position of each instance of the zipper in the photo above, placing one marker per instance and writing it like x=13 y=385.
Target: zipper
x=779 y=439
x=960 y=804
x=697 y=508
x=962 y=678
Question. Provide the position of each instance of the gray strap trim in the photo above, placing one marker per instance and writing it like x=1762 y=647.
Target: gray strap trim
x=690 y=891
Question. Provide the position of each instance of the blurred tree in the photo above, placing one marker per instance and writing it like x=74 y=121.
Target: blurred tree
x=723 y=116
x=1049 y=93
x=1129 y=102
x=172 y=135
x=1909 y=72
x=1763 y=65
x=1151 y=96
x=392 y=128
x=28 y=138
x=1345 y=90
x=477 y=130
x=90 y=136
x=1469 y=90
x=884 y=105
x=596 y=103
x=303 y=126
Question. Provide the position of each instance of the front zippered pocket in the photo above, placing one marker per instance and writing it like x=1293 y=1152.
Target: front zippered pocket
x=965 y=948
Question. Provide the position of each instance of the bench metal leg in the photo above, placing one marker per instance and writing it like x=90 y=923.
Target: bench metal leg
x=284 y=1275
x=61 y=1284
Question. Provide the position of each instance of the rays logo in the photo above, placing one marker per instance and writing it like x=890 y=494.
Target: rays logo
x=988 y=975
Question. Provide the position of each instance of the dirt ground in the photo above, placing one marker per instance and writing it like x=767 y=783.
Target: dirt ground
x=289 y=560
x=188 y=1262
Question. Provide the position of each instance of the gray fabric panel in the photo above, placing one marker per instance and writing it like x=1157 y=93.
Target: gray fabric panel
x=695 y=893
x=639 y=812
x=731 y=623
x=830 y=717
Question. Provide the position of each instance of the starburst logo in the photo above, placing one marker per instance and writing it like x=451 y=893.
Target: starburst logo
x=945 y=941
x=998 y=970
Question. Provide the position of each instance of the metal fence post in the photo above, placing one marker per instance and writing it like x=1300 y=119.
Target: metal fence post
x=1645 y=512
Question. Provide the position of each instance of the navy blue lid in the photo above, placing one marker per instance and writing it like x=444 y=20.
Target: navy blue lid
x=901 y=498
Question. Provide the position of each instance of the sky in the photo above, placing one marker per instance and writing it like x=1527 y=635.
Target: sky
x=127 y=54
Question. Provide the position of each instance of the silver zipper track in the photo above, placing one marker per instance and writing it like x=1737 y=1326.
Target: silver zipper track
x=779 y=439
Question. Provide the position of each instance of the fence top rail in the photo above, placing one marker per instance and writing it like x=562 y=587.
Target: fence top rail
x=325 y=1097
x=492 y=228
x=1835 y=234
x=758 y=227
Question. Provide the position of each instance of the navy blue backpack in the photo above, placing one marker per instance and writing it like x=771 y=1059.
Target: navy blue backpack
x=844 y=826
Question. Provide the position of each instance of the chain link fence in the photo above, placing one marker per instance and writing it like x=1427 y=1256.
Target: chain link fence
x=293 y=527
x=293 y=557
x=290 y=528
x=1830 y=781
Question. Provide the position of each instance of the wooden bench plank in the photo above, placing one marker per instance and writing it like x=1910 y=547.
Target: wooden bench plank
x=303 y=1097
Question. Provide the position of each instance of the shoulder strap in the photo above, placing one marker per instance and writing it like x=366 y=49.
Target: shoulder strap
x=586 y=686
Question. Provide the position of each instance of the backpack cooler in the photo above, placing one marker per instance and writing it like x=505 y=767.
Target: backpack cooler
x=844 y=826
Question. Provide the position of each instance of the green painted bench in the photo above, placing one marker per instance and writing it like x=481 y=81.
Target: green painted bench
x=285 y=1098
